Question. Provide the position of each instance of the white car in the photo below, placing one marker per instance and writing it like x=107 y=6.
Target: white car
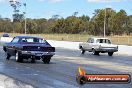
x=5 y=38
x=98 y=45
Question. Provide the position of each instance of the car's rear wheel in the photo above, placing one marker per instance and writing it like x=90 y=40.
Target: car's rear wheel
x=110 y=53
x=46 y=60
x=7 y=56
x=4 y=48
x=18 y=57
x=94 y=52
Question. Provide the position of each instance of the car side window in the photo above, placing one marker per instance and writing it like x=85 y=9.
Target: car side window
x=89 y=40
x=108 y=41
x=92 y=40
x=15 y=40
x=23 y=40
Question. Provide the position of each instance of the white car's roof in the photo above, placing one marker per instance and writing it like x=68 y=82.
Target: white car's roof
x=98 y=38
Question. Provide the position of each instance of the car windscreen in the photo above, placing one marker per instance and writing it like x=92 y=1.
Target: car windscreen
x=33 y=40
x=5 y=35
x=103 y=41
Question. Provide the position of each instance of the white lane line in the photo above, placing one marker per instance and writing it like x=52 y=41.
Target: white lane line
x=101 y=64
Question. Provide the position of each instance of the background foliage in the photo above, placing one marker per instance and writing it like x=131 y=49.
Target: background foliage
x=117 y=23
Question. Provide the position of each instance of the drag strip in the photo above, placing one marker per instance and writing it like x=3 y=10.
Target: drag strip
x=60 y=73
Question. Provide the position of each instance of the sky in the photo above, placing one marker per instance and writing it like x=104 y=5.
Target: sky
x=64 y=8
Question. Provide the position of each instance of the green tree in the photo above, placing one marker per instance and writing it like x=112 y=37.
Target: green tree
x=119 y=22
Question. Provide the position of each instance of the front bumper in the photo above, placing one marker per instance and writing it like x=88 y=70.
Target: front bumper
x=37 y=53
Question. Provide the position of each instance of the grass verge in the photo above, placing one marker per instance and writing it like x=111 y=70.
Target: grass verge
x=122 y=40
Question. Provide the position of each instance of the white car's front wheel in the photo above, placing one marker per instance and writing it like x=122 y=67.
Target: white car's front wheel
x=82 y=51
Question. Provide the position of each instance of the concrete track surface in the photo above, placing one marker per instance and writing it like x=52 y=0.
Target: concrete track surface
x=61 y=71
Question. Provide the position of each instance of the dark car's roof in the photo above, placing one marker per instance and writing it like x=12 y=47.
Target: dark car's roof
x=27 y=37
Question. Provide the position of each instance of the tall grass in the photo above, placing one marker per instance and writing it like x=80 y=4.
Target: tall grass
x=127 y=40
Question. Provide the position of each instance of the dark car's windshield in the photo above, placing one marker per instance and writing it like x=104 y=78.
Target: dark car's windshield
x=32 y=40
x=103 y=41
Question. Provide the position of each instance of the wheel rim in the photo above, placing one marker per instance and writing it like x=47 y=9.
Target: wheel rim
x=17 y=56
x=81 y=51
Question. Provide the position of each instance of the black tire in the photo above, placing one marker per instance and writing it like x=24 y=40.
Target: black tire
x=110 y=53
x=7 y=56
x=18 y=57
x=82 y=51
x=46 y=60
x=94 y=52
x=33 y=60
x=4 y=48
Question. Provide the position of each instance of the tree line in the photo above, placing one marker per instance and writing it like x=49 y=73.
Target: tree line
x=117 y=23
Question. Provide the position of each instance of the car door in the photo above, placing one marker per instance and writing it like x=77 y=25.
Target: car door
x=12 y=46
x=91 y=41
x=87 y=44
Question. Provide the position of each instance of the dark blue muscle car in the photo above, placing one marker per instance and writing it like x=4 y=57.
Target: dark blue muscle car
x=26 y=47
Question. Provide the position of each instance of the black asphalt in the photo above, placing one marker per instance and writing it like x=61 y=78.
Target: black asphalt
x=60 y=73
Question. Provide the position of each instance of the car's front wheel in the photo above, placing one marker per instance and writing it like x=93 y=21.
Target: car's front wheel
x=46 y=60
x=82 y=51
x=18 y=57
x=110 y=53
